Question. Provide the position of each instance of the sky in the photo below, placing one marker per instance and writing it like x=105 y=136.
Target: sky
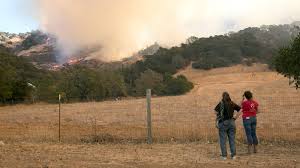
x=16 y=16
x=19 y=15
x=122 y=27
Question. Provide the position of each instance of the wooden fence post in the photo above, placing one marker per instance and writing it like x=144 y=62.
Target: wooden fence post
x=59 y=98
x=149 y=122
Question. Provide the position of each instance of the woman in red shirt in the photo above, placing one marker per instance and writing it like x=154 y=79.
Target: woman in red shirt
x=249 y=109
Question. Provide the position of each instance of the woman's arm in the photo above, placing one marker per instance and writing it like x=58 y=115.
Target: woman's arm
x=237 y=115
x=257 y=111
x=256 y=108
x=217 y=109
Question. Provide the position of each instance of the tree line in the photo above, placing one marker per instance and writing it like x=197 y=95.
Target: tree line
x=246 y=46
x=21 y=81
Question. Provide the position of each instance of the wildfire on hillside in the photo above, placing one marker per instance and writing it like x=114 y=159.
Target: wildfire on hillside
x=73 y=61
x=56 y=66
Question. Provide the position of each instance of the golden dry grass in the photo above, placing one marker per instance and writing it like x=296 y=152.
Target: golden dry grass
x=187 y=118
x=30 y=132
x=141 y=155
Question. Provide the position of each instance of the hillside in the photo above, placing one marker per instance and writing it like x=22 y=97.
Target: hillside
x=253 y=44
x=83 y=78
x=184 y=117
x=236 y=79
x=21 y=81
x=183 y=126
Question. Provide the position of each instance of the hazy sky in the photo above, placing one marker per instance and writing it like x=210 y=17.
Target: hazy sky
x=16 y=16
x=124 y=26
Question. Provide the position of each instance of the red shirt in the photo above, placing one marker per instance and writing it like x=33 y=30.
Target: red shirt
x=249 y=108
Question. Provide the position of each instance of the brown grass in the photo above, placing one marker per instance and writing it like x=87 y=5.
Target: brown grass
x=30 y=132
x=183 y=118
x=141 y=155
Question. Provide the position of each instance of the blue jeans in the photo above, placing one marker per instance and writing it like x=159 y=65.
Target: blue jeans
x=227 y=129
x=250 y=130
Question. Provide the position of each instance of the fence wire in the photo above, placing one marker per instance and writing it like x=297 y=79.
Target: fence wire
x=177 y=118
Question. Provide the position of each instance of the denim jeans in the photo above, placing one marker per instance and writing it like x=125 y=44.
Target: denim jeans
x=250 y=130
x=227 y=129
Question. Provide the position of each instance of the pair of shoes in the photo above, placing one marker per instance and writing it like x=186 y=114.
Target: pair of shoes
x=223 y=158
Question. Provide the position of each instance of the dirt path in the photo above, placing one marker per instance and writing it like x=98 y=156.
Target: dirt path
x=141 y=155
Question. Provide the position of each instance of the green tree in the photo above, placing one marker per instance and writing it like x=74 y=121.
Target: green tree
x=84 y=84
x=113 y=84
x=178 y=61
x=6 y=84
x=78 y=82
x=148 y=80
x=288 y=62
x=15 y=73
x=177 y=86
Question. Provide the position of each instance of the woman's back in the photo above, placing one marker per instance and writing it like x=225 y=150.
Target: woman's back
x=249 y=108
x=229 y=108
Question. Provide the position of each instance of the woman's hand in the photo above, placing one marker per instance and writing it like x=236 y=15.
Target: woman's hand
x=236 y=116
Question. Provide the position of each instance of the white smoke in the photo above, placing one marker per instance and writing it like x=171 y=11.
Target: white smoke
x=125 y=26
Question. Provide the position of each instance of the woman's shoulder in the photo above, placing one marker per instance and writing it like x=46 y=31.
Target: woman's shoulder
x=245 y=101
x=255 y=102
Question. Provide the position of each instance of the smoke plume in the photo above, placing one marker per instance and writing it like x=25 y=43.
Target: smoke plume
x=122 y=27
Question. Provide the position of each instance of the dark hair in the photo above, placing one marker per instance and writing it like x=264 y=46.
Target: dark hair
x=226 y=97
x=248 y=95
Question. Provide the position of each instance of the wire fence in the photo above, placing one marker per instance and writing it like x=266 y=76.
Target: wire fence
x=178 y=118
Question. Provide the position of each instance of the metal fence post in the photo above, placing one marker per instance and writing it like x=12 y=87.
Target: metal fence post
x=149 y=122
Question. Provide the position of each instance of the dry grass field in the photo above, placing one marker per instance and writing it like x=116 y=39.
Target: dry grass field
x=189 y=155
x=30 y=132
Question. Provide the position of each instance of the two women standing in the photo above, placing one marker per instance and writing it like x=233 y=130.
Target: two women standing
x=226 y=122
